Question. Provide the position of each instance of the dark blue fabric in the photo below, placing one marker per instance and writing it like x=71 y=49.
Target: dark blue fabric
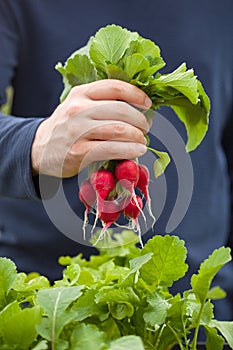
x=34 y=36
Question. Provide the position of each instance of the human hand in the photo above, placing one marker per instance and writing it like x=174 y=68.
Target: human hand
x=97 y=121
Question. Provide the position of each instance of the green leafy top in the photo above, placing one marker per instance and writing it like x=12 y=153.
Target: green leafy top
x=117 y=53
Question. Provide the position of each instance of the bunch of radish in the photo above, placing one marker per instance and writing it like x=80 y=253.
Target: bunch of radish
x=116 y=188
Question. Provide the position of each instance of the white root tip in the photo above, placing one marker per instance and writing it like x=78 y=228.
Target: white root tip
x=150 y=212
x=139 y=233
x=85 y=222
x=102 y=232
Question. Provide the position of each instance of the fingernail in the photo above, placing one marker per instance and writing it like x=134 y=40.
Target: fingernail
x=147 y=102
x=141 y=148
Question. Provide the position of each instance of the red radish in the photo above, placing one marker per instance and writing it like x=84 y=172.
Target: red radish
x=142 y=185
x=103 y=182
x=87 y=196
x=133 y=208
x=109 y=212
x=127 y=173
x=143 y=180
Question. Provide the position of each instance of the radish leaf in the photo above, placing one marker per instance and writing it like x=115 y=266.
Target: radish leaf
x=167 y=263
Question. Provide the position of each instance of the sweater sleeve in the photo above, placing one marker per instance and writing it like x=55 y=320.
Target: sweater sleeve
x=16 y=137
x=16 y=134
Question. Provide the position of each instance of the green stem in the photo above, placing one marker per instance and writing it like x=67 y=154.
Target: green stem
x=152 y=150
x=177 y=337
x=159 y=336
x=194 y=342
x=148 y=343
x=183 y=326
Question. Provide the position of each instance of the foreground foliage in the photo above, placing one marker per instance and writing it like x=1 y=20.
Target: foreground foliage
x=117 y=300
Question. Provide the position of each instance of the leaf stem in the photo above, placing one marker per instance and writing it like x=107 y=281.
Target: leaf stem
x=183 y=326
x=177 y=337
x=159 y=336
x=54 y=321
x=194 y=342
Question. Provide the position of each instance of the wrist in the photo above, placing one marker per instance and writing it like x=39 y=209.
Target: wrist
x=38 y=148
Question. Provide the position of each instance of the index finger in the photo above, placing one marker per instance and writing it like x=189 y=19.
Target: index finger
x=113 y=89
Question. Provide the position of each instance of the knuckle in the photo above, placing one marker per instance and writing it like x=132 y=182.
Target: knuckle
x=116 y=87
x=119 y=130
x=74 y=91
x=73 y=108
x=76 y=152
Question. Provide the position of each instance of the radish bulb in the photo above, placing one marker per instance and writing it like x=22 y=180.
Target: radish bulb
x=143 y=186
x=132 y=210
x=87 y=196
x=109 y=212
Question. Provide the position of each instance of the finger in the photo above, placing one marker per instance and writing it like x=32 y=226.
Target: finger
x=112 y=89
x=116 y=132
x=115 y=110
x=107 y=150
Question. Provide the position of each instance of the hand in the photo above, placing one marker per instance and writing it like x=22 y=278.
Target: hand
x=97 y=121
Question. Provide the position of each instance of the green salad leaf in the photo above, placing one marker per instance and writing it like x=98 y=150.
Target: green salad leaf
x=13 y=331
x=201 y=282
x=87 y=337
x=167 y=263
x=55 y=303
x=8 y=275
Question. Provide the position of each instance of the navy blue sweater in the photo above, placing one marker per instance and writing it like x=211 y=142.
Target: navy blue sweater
x=34 y=36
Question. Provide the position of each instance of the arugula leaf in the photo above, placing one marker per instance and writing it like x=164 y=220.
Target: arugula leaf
x=55 y=303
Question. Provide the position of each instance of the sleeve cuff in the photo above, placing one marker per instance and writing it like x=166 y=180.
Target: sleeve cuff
x=24 y=161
